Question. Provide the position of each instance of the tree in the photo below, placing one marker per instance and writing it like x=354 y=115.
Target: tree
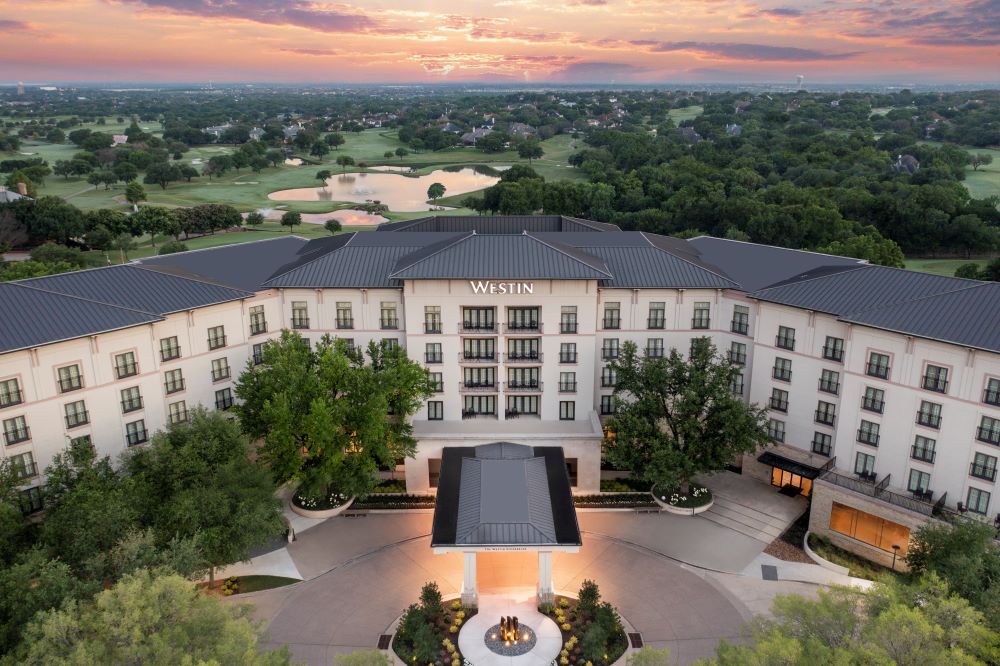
x=676 y=417
x=345 y=161
x=870 y=246
x=135 y=194
x=969 y=271
x=323 y=175
x=172 y=247
x=320 y=150
x=187 y=172
x=258 y=164
x=148 y=619
x=254 y=218
x=126 y=172
x=530 y=149
x=435 y=191
x=155 y=220
x=162 y=174
x=387 y=154
x=322 y=412
x=209 y=218
x=980 y=159
x=291 y=219
x=334 y=139
x=124 y=243
x=33 y=584
x=401 y=153
x=332 y=225
x=57 y=220
x=239 y=160
x=430 y=601
x=197 y=481
x=274 y=157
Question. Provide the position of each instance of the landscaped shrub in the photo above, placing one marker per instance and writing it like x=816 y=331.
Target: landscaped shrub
x=616 y=500
x=331 y=500
x=391 y=486
x=590 y=596
x=430 y=601
x=388 y=502
x=595 y=639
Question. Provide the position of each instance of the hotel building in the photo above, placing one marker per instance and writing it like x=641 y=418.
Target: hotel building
x=882 y=385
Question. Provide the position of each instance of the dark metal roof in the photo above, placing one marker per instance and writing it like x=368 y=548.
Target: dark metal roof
x=499 y=224
x=34 y=317
x=516 y=257
x=968 y=316
x=131 y=286
x=244 y=265
x=504 y=494
x=755 y=266
x=861 y=288
x=789 y=465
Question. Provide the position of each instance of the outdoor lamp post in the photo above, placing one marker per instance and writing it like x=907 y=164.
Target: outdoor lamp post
x=895 y=551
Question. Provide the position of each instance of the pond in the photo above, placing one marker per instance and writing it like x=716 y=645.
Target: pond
x=400 y=193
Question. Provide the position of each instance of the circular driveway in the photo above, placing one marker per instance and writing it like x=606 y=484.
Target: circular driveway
x=350 y=605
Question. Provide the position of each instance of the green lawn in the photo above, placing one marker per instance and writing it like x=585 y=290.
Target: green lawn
x=986 y=181
x=687 y=113
x=941 y=266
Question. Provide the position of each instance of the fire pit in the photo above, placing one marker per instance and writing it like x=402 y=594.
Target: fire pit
x=509 y=638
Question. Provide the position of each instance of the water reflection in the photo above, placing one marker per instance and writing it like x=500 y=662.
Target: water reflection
x=400 y=193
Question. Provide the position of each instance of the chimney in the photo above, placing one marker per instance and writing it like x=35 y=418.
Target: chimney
x=22 y=189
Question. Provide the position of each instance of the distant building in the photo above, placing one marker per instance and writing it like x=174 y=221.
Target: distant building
x=734 y=130
x=689 y=135
x=451 y=128
x=217 y=130
x=20 y=87
x=118 y=139
x=907 y=164
x=256 y=134
x=471 y=138
x=9 y=196
x=291 y=131
x=522 y=130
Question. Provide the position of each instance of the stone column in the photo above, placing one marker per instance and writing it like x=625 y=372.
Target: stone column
x=470 y=594
x=546 y=595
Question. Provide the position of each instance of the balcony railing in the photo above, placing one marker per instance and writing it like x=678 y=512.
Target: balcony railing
x=174 y=386
x=477 y=357
x=567 y=357
x=217 y=342
x=432 y=326
x=516 y=414
x=937 y=384
x=17 y=436
x=388 y=323
x=701 y=322
x=829 y=386
x=124 y=370
x=929 y=420
x=523 y=328
x=258 y=327
x=76 y=419
x=877 y=370
x=983 y=472
x=739 y=358
x=612 y=323
x=11 y=398
x=922 y=453
x=656 y=322
x=988 y=435
x=438 y=386
x=781 y=374
x=477 y=387
x=131 y=405
x=568 y=327
x=433 y=357
x=609 y=382
x=523 y=357
x=833 y=353
x=868 y=437
x=170 y=353
x=654 y=352
x=738 y=388
x=825 y=418
x=872 y=404
x=778 y=404
x=137 y=437
x=992 y=397
x=523 y=387
x=300 y=322
x=785 y=342
x=224 y=403
x=475 y=414
x=220 y=373
x=609 y=352
x=345 y=322
x=739 y=326
x=70 y=384
x=567 y=387
x=477 y=327
x=821 y=448
x=258 y=358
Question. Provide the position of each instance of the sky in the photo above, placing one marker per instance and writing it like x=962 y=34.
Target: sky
x=500 y=41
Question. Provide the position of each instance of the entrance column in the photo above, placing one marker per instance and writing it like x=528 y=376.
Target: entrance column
x=546 y=595
x=470 y=595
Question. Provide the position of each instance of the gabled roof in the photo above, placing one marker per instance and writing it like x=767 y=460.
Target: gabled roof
x=514 y=257
x=497 y=224
x=34 y=317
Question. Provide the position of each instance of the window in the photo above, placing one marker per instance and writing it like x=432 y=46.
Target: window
x=567 y=352
x=70 y=379
x=864 y=465
x=738 y=353
x=389 y=344
x=929 y=414
x=519 y=405
x=782 y=369
x=936 y=378
x=10 y=393
x=437 y=382
x=874 y=400
x=990 y=396
x=657 y=315
x=776 y=430
x=701 y=317
x=345 y=316
x=870 y=529
x=737 y=386
x=81 y=441
x=258 y=324
x=978 y=501
x=31 y=500
x=174 y=381
x=300 y=314
x=699 y=343
x=135 y=433
x=23 y=466
x=567 y=410
x=919 y=481
x=878 y=365
x=822 y=443
x=169 y=348
x=15 y=430
x=125 y=365
x=435 y=410
x=479 y=405
x=868 y=433
x=654 y=347
x=567 y=382
x=522 y=378
x=779 y=400
x=785 y=338
x=432 y=353
x=131 y=400
x=609 y=348
x=829 y=381
x=479 y=349
x=833 y=349
x=76 y=414
x=567 y=319
x=432 y=319
x=989 y=430
x=224 y=399
x=217 y=337
x=609 y=378
x=387 y=316
x=479 y=319
x=524 y=319
x=923 y=449
x=258 y=353
x=612 y=315
x=480 y=378
x=177 y=412
x=984 y=467
x=523 y=349
x=607 y=405
x=741 y=320
x=220 y=369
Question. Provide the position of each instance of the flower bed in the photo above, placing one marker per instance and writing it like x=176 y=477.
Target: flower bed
x=332 y=500
x=613 y=500
x=856 y=566
x=592 y=632
x=626 y=485
x=428 y=632
x=389 y=501
x=697 y=499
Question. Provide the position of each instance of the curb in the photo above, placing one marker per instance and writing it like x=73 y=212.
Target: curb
x=826 y=564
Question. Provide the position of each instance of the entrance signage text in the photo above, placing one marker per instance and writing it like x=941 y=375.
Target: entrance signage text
x=492 y=287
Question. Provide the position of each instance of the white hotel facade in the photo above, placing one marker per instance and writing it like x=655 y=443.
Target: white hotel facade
x=882 y=385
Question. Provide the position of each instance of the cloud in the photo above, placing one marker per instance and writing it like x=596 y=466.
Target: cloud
x=588 y=3
x=298 y=13
x=9 y=25
x=973 y=23
x=738 y=51
x=598 y=72
x=311 y=52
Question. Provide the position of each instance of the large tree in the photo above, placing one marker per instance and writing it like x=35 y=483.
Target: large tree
x=155 y=220
x=197 y=481
x=329 y=417
x=676 y=417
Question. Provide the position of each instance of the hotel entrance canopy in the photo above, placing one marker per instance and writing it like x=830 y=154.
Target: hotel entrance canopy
x=504 y=496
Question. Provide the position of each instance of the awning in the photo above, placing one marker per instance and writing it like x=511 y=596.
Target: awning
x=789 y=465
